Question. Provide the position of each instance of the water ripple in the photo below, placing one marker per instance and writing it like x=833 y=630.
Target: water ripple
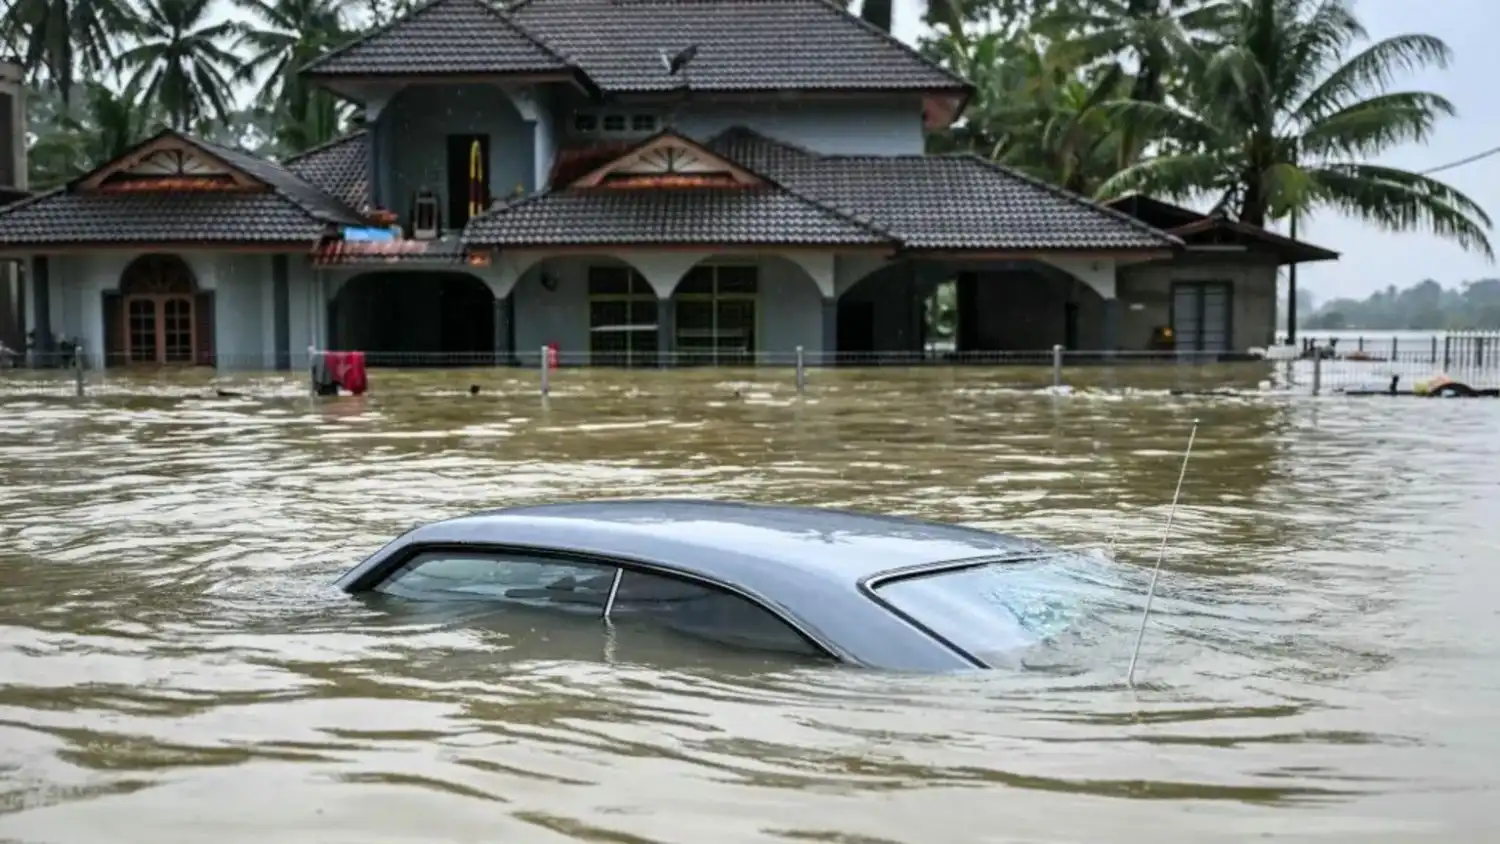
x=1321 y=657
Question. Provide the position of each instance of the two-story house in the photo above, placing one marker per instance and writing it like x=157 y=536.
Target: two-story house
x=632 y=181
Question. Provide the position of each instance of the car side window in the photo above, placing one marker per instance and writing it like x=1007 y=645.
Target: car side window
x=514 y=578
x=706 y=612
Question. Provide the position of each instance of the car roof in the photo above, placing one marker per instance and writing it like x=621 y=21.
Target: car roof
x=843 y=544
x=806 y=561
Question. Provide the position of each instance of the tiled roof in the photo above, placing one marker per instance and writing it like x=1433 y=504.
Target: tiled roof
x=763 y=216
x=443 y=36
x=944 y=201
x=743 y=45
x=61 y=216
x=310 y=198
x=339 y=168
x=293 y=210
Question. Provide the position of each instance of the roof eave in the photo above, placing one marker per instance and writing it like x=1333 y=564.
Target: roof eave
x=722 y=247
x=14 y=248
x=1117 y=253
x=346 y=85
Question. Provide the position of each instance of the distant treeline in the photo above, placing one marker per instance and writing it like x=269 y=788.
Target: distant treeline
x=1423 y=306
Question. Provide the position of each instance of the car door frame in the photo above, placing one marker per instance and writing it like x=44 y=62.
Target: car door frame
x=381 y=566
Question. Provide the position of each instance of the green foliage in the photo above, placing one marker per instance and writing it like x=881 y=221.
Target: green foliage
x=1266 y=108
x=1424 y=306
x=155 y=63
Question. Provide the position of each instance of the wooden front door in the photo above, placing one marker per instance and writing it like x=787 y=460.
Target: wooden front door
x=161 y=329
x=159 y=316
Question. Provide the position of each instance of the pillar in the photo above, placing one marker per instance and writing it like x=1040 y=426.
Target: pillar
x=504 y=332
x=281 y=311
x=830 y=330
x=666 y=336
x=41 y=299
x=1110 y=335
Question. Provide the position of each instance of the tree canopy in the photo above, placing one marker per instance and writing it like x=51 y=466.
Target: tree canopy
x=1426 y=305
x=1262 y=109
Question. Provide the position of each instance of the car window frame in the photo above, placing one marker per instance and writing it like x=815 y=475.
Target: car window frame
x=392 y=565
x=870 y=584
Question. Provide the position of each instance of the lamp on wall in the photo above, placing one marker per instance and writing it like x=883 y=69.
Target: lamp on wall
x=549 y=282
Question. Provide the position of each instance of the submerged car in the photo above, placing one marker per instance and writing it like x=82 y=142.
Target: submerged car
x=868 y=590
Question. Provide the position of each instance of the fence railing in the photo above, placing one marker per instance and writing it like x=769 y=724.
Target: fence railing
x=547 y=371
x=1457 y=348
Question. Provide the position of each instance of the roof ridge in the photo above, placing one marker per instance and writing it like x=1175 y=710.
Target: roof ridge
x=326 y=145
x=834 y=211
x=25 y=201
x=820 y=204
x=770 y=139
x=893 y=41
x=500 y=15
x=823 y=204
x=312 y=213
x=504 y=16
x=369 y=36
x=1064 y=193
x=495 y=211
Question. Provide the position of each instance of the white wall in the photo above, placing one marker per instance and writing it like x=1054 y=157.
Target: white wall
x=242 y=285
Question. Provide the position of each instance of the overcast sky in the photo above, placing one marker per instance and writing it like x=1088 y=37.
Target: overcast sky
x=1373 y=258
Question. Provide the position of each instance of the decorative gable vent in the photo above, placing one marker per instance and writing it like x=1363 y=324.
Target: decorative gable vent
x=665 y=162
x=170 y=164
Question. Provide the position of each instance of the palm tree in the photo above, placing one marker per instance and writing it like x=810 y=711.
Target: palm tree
x=73 y=138
x=1035 y=107
x=289 y=34
x=60 y=36
x=1275 y=119
x=178 y=61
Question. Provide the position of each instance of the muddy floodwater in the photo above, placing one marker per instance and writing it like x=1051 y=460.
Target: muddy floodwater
x=1323 y=663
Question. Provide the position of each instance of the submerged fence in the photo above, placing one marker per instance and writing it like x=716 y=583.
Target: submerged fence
x=1473 y=361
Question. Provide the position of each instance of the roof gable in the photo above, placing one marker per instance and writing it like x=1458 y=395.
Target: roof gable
x=443 y=37
x=668 y=160
x=168 y=162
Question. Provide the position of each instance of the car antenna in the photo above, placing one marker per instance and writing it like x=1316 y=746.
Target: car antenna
x=1161 y=554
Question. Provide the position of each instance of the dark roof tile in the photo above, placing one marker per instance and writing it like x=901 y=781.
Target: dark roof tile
x=444 y=36
x=765 y=216
x=292 y=210
x=310 y=198
x=744 y=45
x=944 y=201
x=61 y=216
x=339 y=168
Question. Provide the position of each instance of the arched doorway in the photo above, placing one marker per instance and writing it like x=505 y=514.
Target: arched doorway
x=158 y=315
x=415 y=318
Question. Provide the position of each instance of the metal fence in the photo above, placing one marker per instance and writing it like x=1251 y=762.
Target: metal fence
x=1457 y=349
x=1474 y=361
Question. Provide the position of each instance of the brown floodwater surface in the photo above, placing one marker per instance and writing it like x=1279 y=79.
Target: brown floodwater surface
x=1323 y=663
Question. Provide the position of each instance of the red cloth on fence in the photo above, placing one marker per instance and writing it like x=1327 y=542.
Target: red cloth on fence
x=348 y=371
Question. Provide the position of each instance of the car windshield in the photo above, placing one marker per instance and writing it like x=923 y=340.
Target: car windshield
x=995 y=610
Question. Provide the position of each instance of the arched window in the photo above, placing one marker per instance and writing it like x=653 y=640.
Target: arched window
x=158 y=320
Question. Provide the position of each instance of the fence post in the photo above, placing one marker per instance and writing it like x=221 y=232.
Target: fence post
x=312 y=371
x=801 y=372
x=1447 y=353
x=546 y=373
x=1478 y=352
x=1057 y=355
x=1317 y=379
x=1393 y=349
x=1432 y=356
x=78 y=370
